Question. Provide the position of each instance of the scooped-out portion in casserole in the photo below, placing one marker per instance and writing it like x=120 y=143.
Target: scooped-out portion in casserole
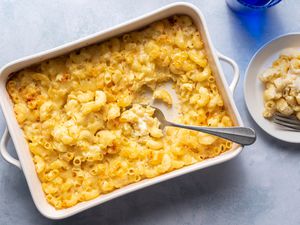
x=82 y=116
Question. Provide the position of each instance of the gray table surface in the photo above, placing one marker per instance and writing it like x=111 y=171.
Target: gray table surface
x=260 y=186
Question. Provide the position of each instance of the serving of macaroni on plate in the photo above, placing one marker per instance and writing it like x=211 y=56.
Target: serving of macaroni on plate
x=84 y=121
x=282 y=85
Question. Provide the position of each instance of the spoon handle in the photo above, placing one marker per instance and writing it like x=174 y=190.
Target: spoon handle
x=239 y=135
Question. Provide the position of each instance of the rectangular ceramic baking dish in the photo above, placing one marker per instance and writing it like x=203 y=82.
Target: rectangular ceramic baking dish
x=13 y=130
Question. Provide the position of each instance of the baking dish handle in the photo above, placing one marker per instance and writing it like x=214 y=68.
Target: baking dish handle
x=8 y=158
x=236 y=72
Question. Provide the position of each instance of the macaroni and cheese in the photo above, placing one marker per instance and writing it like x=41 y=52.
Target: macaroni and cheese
x=282 y=85
x=84 y=121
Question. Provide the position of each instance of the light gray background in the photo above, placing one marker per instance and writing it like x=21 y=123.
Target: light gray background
x=260 y=186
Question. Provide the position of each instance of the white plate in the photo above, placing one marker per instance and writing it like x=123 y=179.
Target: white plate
x=253 y=87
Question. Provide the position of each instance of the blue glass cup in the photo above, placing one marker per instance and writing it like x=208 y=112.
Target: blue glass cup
x=251 y=5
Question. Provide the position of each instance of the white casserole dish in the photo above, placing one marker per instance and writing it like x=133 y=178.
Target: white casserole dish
x=25 y=160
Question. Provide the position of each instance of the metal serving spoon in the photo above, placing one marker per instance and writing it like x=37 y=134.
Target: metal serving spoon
x=239 y=135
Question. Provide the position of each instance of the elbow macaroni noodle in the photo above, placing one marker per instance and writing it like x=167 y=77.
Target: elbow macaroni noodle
x=86 y=141
x=163 y=95
x=282 y=85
